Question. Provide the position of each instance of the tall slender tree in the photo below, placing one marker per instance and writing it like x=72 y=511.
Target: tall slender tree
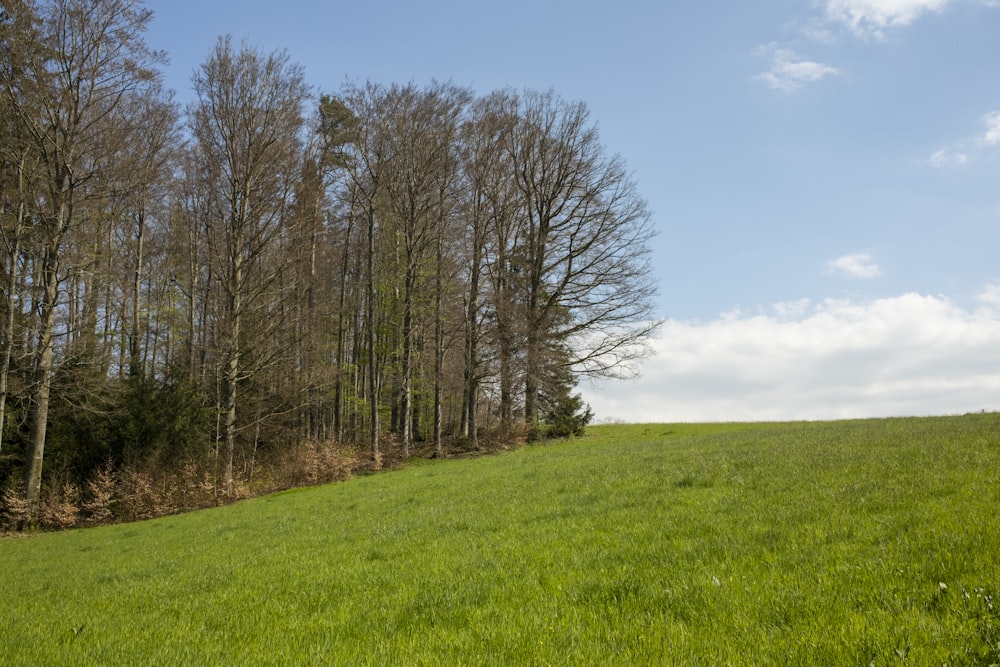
x=247 y=125
x=17 y=188
x=488 y=201
x=70 y=65
x=366 y=191
x=422 y=128
x=338 y=133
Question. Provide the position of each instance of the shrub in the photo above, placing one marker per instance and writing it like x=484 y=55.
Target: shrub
x=100 y=494
x=60 y=506
x=140 y=498
x=13 y=508
x=316 y=462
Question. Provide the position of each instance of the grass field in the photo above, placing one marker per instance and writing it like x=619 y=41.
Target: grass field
x=843 y=543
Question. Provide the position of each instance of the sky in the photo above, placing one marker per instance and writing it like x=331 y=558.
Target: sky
x=823 y=175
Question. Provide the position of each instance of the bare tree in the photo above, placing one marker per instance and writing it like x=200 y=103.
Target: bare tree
x=368 y=171
x=338 y=130
x=448 y=238
x=247 y=123
x=16 y=180
x=71 y=63
x=587 y=292
x=145 y=167
x=489 y=200
x=421 y=128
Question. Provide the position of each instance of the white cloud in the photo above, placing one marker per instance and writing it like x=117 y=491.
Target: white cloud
x=945 y=158
x=991 y=137
x=858 y=265
x=789 y=72
x=990 y=300
x=872 y=18
x=960 y=152
x=869 y=19
x=905 y=355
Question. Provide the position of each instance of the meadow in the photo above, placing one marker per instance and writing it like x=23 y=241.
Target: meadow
x=872 y=542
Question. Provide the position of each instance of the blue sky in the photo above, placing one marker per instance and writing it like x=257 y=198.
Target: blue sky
x=824 y=175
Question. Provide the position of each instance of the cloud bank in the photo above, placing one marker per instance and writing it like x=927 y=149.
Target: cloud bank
x=906 y=355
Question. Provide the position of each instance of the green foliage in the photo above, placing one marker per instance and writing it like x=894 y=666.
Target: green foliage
x=131 y=421
x=564 y=413
x=169 y=419
x=847 y=543
x=567 y=415
x=337 y=129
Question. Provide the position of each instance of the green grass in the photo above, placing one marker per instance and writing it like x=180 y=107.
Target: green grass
x=743 y=544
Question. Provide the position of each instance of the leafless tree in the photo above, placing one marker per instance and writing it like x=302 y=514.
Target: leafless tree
x=246 y=124
x=69 y=66
x=421 y=128
x=489 y=201
x=583 y=248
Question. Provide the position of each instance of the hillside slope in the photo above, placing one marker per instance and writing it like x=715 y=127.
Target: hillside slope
x=804 y=543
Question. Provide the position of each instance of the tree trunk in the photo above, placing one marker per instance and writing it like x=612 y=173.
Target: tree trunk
x=531 y=384
x=338 y=386
x=438 y=343
x=406 y=381
x=43 y=380
x=372 y=371
x=135 y=365
x=506 y=381
x=232 y=373
x=470 y=398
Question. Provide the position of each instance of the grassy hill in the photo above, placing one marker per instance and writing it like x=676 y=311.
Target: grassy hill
x=861 y=542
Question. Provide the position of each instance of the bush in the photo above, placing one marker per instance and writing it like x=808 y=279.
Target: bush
x=13 y=508
x=60 y=506
x=100 y=493
x=315 y=462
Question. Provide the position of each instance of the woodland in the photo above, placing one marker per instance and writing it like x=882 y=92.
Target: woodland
x=272 y=285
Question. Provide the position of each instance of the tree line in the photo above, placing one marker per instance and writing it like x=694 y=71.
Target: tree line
x=218 y=283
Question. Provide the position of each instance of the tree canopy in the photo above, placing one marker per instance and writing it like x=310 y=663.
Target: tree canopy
x=383 y=267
